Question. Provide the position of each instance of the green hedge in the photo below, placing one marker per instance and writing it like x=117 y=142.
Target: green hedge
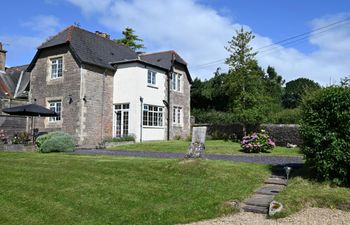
x=325 y=130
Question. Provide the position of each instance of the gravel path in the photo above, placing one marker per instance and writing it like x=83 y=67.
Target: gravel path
x=308 y=216
x=260 y=159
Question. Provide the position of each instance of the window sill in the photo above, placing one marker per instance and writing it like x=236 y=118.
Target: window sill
x=152 y=86
x=177 y=125
x=150 y=127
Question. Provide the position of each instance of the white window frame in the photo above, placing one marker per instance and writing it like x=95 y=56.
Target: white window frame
x=56 y=106
x=176 y=82
x=151 y=78
x=152 y=116
x=177 y=115
x=56 y=67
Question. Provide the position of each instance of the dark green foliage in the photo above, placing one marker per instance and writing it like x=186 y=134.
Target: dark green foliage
x=55 y=142
x=273 y=84
x=130 y=39
x=285 y=116
x=295 y=91
x=20 y=138
x=326 y=134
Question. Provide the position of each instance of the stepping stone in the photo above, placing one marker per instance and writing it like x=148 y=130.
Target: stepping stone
x=259 y=200
x=277 y=181
x=278 y=176
x=255 y=209
x=270 y=189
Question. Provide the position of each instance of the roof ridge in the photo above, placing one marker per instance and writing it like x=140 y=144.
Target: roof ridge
x=165 y=51
x=52 y=37
x=102 y=38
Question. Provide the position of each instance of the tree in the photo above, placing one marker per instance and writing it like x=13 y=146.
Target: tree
x=273 y=84
x=131 y=40
x=295 y=91
x=244 y=81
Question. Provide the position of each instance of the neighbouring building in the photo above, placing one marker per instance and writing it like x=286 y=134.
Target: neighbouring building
x=101 y=89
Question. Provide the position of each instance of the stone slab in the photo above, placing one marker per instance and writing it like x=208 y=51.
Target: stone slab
x=270 y=189
x=255 y=209
x=198 y=134
x=259 y=200
x=277 y=181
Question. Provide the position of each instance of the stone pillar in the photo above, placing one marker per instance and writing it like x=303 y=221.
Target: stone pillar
x=2 y=58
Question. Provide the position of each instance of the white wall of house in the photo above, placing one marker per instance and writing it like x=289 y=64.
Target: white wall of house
x=129 y=84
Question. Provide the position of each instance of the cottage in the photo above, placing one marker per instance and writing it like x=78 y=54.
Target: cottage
x=102 y=89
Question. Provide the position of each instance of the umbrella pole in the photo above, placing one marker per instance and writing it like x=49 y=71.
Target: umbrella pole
x=33 y=129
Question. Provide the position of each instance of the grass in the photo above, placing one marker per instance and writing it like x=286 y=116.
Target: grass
x=212 y=147
x=60 y=188
x=302 y=192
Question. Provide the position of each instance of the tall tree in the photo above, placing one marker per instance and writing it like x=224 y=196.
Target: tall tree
x=131 y=39
x=295 y=91
x=273 y=84
x=244 y=80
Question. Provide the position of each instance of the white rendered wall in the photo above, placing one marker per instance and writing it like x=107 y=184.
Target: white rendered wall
x=129 y=84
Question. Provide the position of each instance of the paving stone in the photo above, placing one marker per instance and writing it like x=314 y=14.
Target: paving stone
x=255 y=209
x=278 y=181
x=270 y=189
x=259 y=200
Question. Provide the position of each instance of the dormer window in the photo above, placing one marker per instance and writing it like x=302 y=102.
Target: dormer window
x=151 y=78
x=56 y=67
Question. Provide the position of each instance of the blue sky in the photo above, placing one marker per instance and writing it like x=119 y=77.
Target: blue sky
x=197 y=29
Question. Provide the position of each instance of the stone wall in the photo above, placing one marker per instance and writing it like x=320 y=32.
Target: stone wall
x=181 y=99
x=97 y=116
x=43 y=89
x=283 y=133
x=13 y=124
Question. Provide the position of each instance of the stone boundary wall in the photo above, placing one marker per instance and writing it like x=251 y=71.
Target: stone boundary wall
x=280 y=133
x=13 y=124
x=283 y=133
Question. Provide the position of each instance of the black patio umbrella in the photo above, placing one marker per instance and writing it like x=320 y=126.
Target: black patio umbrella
x=30 y=110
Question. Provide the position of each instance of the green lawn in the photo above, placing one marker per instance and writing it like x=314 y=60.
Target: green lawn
x=212 y=147
x=75 y=189
x=302 y=192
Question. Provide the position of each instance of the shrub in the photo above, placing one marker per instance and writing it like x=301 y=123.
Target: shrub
x=3 y=137
x=257 y=142
x=20 y=138
x=55 y=142
x=325 y=132
x=285 y=116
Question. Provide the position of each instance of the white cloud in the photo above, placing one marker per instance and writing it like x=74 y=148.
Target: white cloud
x=199 y=34
x=21 y=48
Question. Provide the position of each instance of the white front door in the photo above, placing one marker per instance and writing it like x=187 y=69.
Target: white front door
x=121 y=120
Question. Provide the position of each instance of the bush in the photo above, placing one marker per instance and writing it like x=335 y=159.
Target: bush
x=325 y=132
x=257 y=142
x=20 y=138
x=286 y=116
x=55 y=142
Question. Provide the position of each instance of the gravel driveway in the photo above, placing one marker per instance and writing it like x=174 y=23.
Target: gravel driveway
x=260 y=159
x=308 y=216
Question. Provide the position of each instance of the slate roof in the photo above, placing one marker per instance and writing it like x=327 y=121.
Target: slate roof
x=162 y=59
x=89 y=47
x=14 y=83
x=165 y=60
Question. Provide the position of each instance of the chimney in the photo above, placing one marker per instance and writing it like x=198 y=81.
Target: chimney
x=102 y=34
x=2 y=58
